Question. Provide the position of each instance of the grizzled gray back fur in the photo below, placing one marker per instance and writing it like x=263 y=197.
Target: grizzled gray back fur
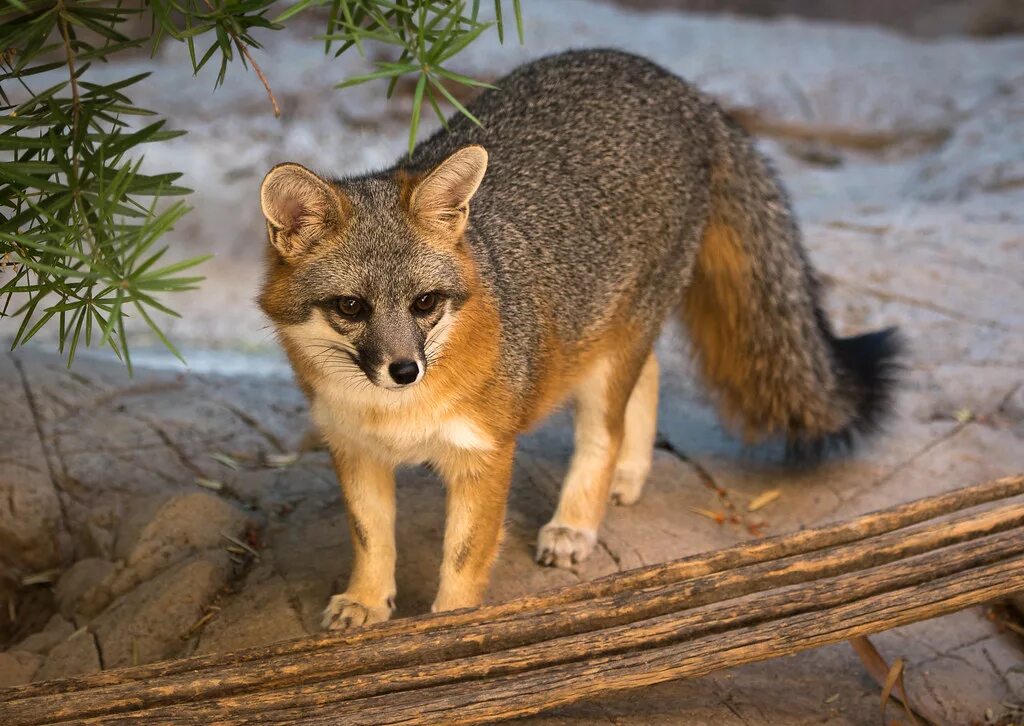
x=604 y=170
x=595 y=196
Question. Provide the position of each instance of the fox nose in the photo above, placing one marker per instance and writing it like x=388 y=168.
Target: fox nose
x=404 y=371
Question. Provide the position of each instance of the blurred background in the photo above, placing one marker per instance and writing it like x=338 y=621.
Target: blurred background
x=917 y=17
x=879 y=106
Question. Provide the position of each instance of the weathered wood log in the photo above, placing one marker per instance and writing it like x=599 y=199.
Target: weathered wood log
x=520 y=628
x=645 y=634
x=680 y=619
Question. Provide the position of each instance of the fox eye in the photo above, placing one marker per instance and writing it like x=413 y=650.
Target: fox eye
x=351 y=307
x=425 y=303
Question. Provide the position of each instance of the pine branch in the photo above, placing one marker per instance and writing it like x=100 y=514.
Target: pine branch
x=76 y=108
x=77 y=241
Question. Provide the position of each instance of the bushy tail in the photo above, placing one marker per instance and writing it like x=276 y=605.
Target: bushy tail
x=758 y=332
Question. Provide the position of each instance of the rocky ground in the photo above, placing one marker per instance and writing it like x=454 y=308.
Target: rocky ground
x=172 y=513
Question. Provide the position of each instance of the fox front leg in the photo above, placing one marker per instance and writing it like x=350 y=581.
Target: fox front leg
x=369 y=490
x=477 y=494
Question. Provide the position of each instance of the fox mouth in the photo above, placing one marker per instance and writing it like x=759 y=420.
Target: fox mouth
x=396 y=387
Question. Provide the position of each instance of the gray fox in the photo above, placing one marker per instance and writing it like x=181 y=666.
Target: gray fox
x=435 y=310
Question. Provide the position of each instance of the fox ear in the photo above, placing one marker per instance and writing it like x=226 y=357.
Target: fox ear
x=300 y=207
x=442 y=198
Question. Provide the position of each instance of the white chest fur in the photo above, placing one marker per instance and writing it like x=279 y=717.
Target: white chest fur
x=408 y=436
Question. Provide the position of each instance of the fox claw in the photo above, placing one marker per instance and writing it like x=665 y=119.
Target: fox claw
x=344 y=612
x=628 y=485
x=561 y=546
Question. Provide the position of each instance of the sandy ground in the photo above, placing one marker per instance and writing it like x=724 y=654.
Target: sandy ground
x=906 y=161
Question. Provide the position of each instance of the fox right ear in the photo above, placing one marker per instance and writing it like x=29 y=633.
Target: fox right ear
x=441 y=200
x=300 y=207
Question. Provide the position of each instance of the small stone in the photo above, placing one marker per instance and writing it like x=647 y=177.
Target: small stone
x=158 y=533
x=76 y=656
x=56 y=631
x=259 y=615
x=17 y=667
x=82 y=590
x=154 y=621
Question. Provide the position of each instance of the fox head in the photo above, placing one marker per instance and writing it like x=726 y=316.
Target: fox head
x=365 y=276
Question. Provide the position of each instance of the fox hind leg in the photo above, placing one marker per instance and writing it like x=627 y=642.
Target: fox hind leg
x=601 y=398
x=637 y=449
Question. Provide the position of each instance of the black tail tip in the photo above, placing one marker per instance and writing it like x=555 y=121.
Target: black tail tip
x=870 y=368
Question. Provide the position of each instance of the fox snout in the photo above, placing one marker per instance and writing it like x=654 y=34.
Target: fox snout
x=392 y=371
x=390 y=351
x=378 y=347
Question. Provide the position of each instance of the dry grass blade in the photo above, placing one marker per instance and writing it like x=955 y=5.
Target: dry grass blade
x=201 y=622
x=911 y=714
x=1013 y=626
x=888 y=678
x=40 y=578
x=211 y=484
x=763 y=500
x=280 y=461
x=873 y=661
x=226 y=460
x=1009 y=615
x=716 y=517
x=894 y=677
x=240 y=545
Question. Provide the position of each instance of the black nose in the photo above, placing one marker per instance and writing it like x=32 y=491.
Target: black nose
x=404 y=371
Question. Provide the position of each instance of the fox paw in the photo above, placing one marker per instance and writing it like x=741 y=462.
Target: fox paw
x=561 y=546
x=344 y=612
x=628 y=485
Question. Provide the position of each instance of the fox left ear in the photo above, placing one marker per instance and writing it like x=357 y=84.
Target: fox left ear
x=442 y=198
x=300 y=207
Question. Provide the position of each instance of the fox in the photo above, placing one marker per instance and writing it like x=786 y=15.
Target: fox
x=437 y=309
